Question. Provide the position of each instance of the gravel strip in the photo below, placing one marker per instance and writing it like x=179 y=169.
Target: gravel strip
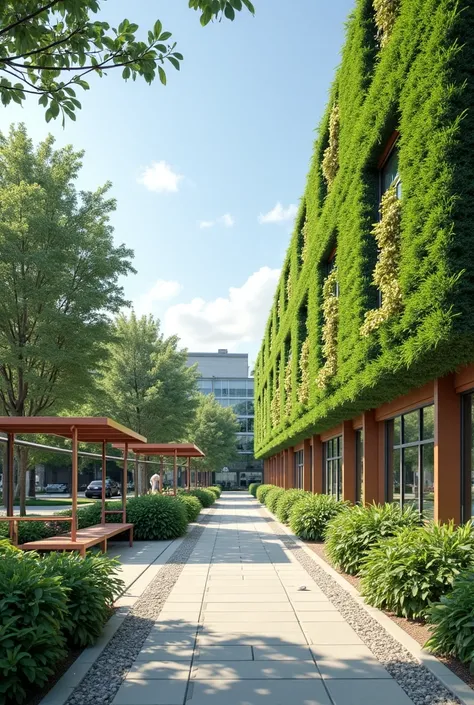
x=104 y=678
x=416 y=680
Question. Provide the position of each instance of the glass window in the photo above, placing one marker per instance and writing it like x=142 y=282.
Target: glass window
x=359 y=466
x=410 y=462
x=298 y=468
x=218 y=388
x=250 y=388
x=389 y=174
x=250 y=425
x=237 y=388
x=250 y=408
x=333 y=467
x=242 y=424
x=225 y=387
x=205 y=386
x=468 y=457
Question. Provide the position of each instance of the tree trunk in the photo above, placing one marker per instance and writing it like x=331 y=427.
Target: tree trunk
x=142 y=479
x=32 y=485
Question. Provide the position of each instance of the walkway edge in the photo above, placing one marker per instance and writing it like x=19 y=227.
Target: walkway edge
x=61 y=691
x=449 y=679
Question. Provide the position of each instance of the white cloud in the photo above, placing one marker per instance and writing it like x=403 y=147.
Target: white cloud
x=227 y=220
x=160 y=177
x=239 y=317
x=278 y=214
x=161 y=290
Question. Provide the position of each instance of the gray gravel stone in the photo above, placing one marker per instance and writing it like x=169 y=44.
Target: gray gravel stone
x=416 y=680
x=104 y=678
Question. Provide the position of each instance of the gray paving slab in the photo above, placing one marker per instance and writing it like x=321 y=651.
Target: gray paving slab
x=240 y=607
x=286 y=618
x=216 y=654
x=283 y=652
x=169 y=652
x=146 y=692
x=330 y=633
x=319 y=616
x=254 y=670
x=366 y=692
x=348 y=662
x=259 y=692
x=159 y=670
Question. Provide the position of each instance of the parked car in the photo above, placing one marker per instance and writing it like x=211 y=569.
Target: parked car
x=130 y=486
x=94 y=489
x=57 y=488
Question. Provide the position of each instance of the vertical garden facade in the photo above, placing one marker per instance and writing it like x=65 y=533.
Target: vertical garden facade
x=365 y=377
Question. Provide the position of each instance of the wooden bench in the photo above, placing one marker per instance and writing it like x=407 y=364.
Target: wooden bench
x=85 y=538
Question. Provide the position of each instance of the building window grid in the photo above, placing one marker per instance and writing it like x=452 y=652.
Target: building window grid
x=420 y=444
x=467 y=466
x=359 y=465
x=298 y=469
x=333 y=467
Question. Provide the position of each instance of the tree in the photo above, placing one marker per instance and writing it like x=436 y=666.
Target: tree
x=214 y=432
x=48 y=47
x=59 y=273
x=146 y=383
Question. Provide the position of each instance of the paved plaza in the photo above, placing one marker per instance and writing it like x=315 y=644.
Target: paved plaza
x=237 y=629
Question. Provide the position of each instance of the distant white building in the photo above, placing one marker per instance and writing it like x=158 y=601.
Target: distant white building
x=226 y=375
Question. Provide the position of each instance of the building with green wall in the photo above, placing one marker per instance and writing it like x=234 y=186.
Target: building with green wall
x=363 y=384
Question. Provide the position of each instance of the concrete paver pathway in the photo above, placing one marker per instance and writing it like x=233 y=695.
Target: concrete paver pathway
x=237 y=630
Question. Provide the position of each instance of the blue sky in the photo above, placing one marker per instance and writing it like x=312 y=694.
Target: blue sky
x=199 y=167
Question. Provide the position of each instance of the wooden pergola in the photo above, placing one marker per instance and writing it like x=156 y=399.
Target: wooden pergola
x=80 y=430
x=174 y=450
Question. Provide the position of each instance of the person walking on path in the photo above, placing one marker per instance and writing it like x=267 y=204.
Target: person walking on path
x=155 y=483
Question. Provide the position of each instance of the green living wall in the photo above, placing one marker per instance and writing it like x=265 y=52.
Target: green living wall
x=410 y=71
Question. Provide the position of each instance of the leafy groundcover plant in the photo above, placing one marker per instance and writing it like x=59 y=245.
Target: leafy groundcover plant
x=351 y=534
x=33 y=609
x=407 y=572
x=253 y=488
x=272 y=498
x=310 y=515
x=205 y=496
x=285 y=503
x=262 y=492
x=192 y=504
x=452 y=621
x=92 y=584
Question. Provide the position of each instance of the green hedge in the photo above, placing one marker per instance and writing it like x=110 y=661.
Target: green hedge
x=310 y=515
x=192 y=504
x=157 y=517
x=216 y=489
x=205 y=496
x=34 y=530
x=351 y=535
x=272 y=498
x=286 y=501
x=262 y=491
x=253 y=488
x=451 y=621
x=420 y=84
x=407 y=572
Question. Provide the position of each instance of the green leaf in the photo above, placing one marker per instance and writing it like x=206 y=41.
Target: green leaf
x=157 y=29
x=162 y=75
x=126 y=72
x=229 y=12
x=174 y=61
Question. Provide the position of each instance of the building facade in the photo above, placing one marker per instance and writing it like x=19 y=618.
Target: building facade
x=226 y=375
x=364 y=382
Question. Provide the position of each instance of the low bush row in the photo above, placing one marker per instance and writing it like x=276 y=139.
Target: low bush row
x=413 y=568
x=155 y=517
x=47 y=604
x=253 y=488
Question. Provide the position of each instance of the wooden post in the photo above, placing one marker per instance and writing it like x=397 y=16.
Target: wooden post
x=318 y=484
x=175 y=472
x=125 y=482
x=447 y=451
x=307 y=465
x=188 y=474
x=348 y=462
x=135 y=476
x=74 y=483
x=161 y=474
x=104 y=477
x=370 y=458
x=290 y=468
x=10 y=484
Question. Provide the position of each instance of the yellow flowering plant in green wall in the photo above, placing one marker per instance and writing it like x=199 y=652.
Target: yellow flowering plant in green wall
x=330 y=329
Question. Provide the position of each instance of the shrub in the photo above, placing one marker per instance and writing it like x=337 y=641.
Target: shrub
x=350 y=535
x=34 y=530
x=92 y=514
x=272 y=497
x=285 y=503
x=262 y=492
x=452 y=621
x=33 y=607
x=253 y=488
x=7 y=548
x=407 y=572
x=206 y=497
x=192 y=505
x=92 y=585
x=217 y=490
x=310 y=515
x=157 y=517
